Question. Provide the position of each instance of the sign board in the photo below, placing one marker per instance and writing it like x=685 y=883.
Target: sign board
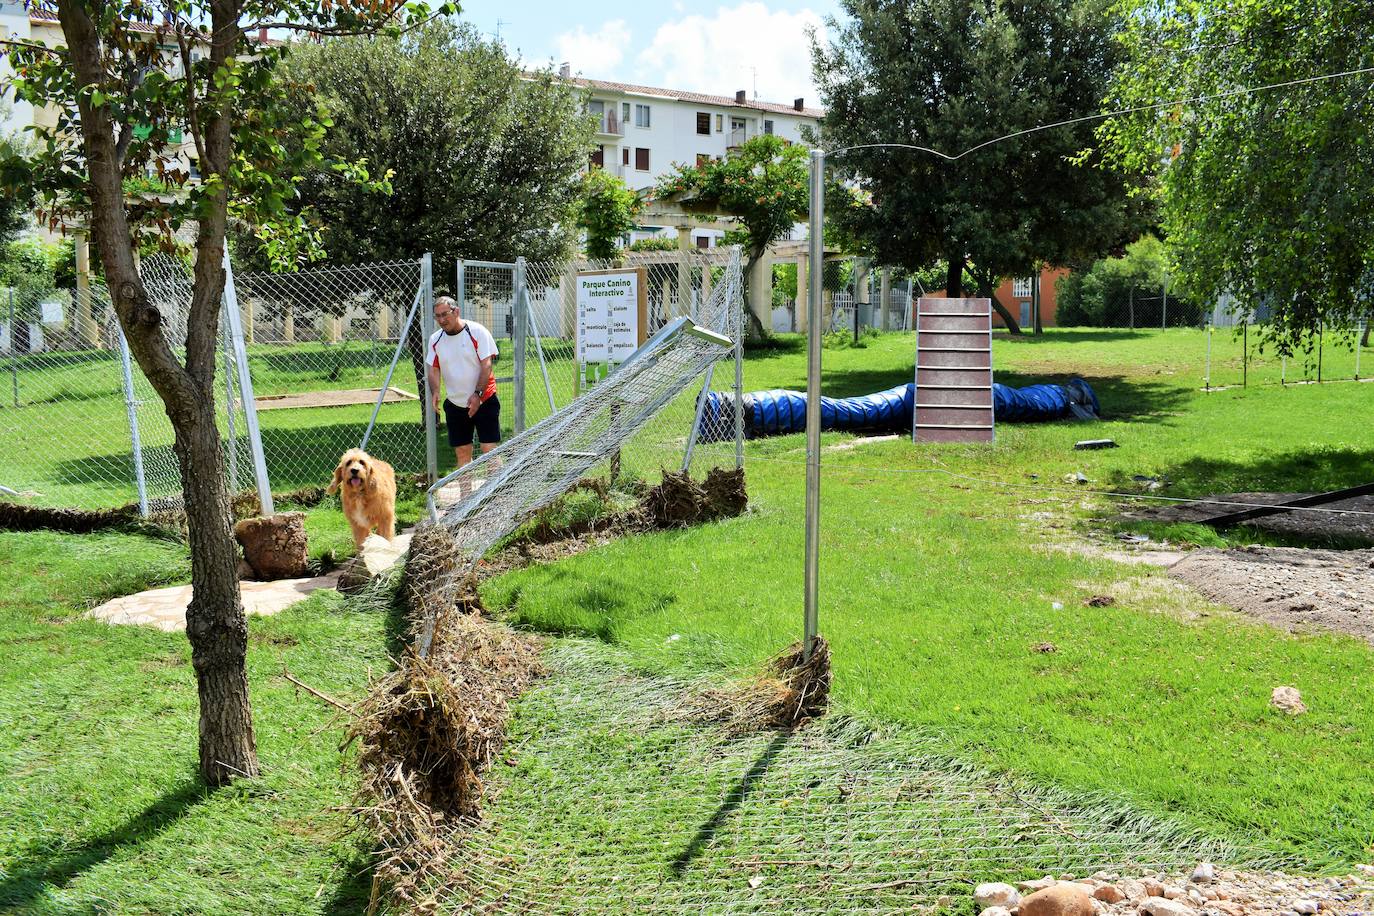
x=52 y=311
x=612 y=316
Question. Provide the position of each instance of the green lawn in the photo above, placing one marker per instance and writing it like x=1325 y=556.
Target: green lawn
x=935 y=587
x=941 y=568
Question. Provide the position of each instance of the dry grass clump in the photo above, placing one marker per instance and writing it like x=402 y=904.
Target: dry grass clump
x=790 y=693
x=726 y=496
x=19 y=517
x=431 y=728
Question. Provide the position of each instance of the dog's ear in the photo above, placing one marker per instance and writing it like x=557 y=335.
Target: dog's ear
x=370 y=478
x=337 y=481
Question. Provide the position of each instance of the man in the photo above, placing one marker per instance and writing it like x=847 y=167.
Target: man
x=462 y=353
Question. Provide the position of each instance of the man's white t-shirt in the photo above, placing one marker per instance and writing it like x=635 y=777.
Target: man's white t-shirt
x=459 y=358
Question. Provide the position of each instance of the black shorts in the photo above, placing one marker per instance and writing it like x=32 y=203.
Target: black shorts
x=487 y=423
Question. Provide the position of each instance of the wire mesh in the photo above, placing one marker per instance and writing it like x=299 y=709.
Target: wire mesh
x=320 y=345
x=64 y=427
x=610 y=798
x=626 y=420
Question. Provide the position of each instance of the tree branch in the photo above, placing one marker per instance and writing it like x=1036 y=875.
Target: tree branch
x=31 y=46
x=192 y=113
x=340 y=31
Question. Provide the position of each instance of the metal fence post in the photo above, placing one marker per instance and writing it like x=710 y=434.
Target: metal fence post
x=14 y=351
x=1164 y=307
x=401 y=343
x=1131 y=306
x=519 y=331
x=1207 y=373
x=426 y=330
x=1321 y=344
x=696 y=419
x=1359 y=336
x=814 y=333
x=250 y=407
x=131 y=406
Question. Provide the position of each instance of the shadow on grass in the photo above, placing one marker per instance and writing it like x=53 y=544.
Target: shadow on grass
x=731 y=803
x=1075 y=335
x=1298 y=471
x=46 y=870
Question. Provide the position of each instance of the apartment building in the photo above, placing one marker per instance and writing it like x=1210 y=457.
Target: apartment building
x=644 y=131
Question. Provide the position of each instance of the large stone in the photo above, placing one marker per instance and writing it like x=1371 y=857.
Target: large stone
x=376 y=556
x=1163 y=906
x=1289 y=700
x=1110 y=893
x=1059 y=900
x=1205 y=873
x=275 y=547
x=995 y=894
x=995 y=911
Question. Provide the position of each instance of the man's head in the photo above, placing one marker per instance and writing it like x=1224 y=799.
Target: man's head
x=446 y=314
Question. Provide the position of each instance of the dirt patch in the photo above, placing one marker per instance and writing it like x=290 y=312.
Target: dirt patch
x=19 y=517
x=1338 y=521
x=1290 y=587
x=726 y=496
x=342 y=397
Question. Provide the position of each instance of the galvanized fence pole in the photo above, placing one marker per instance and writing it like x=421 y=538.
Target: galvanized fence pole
x=131 y=406
x=543 y=365
x=14 y=351
x=250 y=407
x=696 y=419
x=401 y=343
x=426 y=330
x=1207 y=373
x=814 y=333
x=520 y=303
x=1321 y=343
x=1359 y=336
x=1164 y=305
x=739 y=374
x=229 y=409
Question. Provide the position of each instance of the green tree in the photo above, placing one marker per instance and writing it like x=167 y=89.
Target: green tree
x=1098 y=295
x=607 y=212
x=762 y=186
x=1264 y=195
x=486 y=160
x=950 y=75
x=129 y=74
x=14 y=205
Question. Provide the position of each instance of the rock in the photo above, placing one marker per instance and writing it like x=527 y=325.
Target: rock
x=1134 y=890
x=1172 y=893
x=275 y=547
x=995 y=894
x=1205 y=873
x=996 y=911
x=1062 y=899
x=1195 y=897
x=1305 y=907
x=1039 y=884
x=1110 y=893
x=1210 y=894
x=1152 y=887
x=944 y=902
x=1163 y=906
x=1287 y=699
x=376 y=556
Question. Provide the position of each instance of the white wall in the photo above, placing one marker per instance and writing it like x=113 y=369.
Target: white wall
x=14 y=23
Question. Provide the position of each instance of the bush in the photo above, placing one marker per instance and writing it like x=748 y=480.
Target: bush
x=657 y=243
x=1101 y=295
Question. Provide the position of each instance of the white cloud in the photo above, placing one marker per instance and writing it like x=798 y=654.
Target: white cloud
x=594 y=54
x=732 y=50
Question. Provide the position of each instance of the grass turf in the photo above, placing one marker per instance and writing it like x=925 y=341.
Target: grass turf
x=940 y=574
x=935 y=588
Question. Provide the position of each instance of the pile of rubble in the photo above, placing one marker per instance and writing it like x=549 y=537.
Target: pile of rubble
x=1206 y=891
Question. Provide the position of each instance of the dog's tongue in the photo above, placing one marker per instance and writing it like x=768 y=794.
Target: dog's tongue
x=355 y=482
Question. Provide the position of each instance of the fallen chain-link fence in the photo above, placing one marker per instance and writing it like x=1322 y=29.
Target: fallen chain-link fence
x=613 y=796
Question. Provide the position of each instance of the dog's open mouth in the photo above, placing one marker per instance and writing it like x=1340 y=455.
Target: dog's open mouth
x=355 y=481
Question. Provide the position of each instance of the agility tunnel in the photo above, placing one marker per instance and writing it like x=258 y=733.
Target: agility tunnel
x=779 y=411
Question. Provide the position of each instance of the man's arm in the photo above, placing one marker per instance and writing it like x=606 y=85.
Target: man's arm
x=483 y=376
x=434 y=390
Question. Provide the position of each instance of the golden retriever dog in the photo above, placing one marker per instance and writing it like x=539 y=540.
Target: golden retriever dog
x=369 y=494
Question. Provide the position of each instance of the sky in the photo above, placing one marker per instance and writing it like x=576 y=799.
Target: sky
x=703 y=47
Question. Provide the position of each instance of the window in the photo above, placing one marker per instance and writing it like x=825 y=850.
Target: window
x=703 y=122
x=624 y=155
x=641 y=116
x=768 y=127
x=641 y=159
x=703 y=241
x=624 y=112
x=1021 y=288
x=720 y=123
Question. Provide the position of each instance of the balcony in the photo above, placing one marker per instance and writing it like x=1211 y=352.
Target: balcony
x=738 y=135
x=610 y=126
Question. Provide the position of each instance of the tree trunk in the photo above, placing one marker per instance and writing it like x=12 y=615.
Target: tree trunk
x=1037 y=325
x=754 y=329
x=215 y=622
x=954 y=277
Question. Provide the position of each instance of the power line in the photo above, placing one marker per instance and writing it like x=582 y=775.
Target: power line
x=1102 y=116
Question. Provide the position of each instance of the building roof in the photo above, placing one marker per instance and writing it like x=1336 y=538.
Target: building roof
x=700 y=98
x=44 y=16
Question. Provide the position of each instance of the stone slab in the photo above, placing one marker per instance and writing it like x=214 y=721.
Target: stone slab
x=165 y=608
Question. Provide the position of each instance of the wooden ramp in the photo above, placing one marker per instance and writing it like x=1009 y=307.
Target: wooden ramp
x=953 y=371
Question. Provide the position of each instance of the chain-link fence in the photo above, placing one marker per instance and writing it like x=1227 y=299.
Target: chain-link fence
x=1239 y=354
x=337 y=357
x=81 y=426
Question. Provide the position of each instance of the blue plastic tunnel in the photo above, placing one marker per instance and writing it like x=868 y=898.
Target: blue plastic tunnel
x=778 y=411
